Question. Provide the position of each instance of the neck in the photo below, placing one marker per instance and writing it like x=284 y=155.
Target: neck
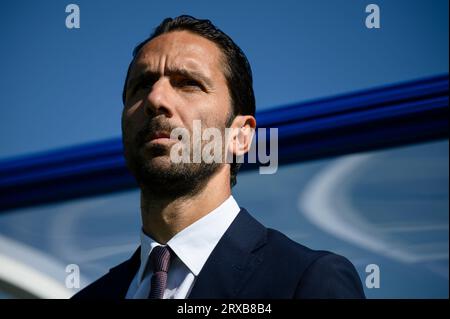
x=164 y=218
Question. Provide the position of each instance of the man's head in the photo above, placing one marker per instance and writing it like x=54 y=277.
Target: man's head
x=186 y=70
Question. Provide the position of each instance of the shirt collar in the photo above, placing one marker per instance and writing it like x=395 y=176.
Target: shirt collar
x=194 y=244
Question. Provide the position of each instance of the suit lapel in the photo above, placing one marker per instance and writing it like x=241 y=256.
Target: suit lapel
x=232 y=261
x=122 y=276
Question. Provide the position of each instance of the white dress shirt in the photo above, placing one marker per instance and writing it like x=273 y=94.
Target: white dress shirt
x=192 y=247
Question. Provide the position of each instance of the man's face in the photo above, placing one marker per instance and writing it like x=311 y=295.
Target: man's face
x=175 y=79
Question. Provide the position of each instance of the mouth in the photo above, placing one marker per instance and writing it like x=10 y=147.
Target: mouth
x=160 y=137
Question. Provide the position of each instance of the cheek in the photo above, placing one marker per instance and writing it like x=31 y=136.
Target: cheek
x=217 y=117
x=223 y=108
x=213 y=112
x=133 y=120
x=206 y=117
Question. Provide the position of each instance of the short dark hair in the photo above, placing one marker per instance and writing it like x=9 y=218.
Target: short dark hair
x=237 y=70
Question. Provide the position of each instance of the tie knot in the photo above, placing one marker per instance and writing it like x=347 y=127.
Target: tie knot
x=160 y=258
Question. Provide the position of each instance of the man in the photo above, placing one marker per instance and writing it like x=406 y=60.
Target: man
x=196 y=242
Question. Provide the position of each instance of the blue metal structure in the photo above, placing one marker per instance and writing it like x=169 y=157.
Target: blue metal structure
x=372 y=119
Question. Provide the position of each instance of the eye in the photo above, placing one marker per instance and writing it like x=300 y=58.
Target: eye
x=186 y=83
x=190 y=83
x=144 y=83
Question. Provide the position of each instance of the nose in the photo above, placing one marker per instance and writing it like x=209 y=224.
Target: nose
x=159 y=99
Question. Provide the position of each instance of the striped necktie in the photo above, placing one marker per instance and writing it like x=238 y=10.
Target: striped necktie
x=160 y=262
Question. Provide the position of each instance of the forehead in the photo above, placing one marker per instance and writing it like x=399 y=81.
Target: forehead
x=180 y=49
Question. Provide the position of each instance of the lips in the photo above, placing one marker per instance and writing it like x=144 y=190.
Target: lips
x=160 y=135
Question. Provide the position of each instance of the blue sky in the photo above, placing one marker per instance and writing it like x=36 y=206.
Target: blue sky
x=62 y=87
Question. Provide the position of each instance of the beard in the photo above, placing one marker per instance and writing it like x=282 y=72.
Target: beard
x=175 y=180
x=157 y=174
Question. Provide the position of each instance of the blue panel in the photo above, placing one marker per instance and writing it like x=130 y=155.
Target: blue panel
x=379 y=118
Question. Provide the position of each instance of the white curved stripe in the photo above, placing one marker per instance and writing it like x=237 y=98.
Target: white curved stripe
x=30 y=270
x=30 y=280
x=324 y=203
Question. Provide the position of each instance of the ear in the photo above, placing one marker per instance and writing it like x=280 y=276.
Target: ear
x=241 y=135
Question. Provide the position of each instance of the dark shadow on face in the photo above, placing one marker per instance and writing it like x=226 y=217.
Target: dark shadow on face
x=167 y=180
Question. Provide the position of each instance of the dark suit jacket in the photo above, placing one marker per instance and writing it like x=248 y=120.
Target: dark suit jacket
x=251 y=261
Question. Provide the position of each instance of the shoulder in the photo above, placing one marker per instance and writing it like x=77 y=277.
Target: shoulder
x=330 y=276
x=113 y=285
x=318 y=273
x=275 y=247
x=280 y=245
x=99 y=289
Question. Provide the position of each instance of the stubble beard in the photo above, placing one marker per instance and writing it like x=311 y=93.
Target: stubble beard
x=158 y=175
x=170 y=180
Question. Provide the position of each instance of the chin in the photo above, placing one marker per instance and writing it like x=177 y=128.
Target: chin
x=161 y=162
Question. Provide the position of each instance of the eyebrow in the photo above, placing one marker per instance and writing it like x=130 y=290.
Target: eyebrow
x=192 y=74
